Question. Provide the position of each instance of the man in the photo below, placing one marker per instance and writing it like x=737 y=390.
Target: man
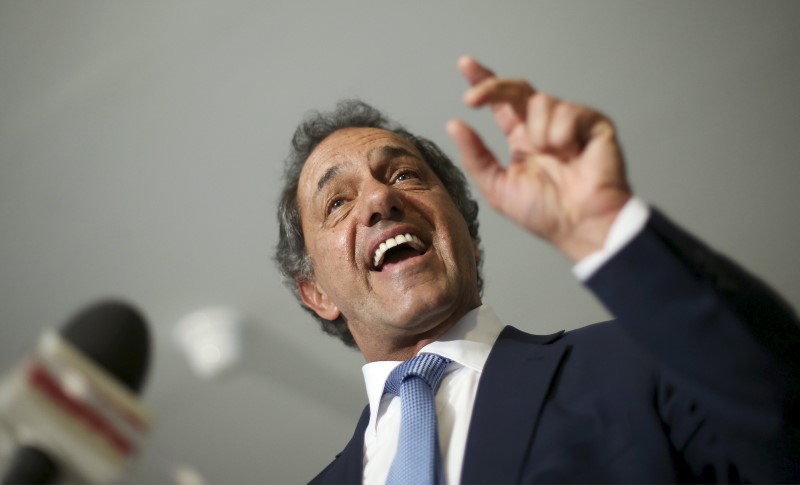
x=694 y=380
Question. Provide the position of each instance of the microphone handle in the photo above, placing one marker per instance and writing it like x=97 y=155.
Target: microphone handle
x=31 y=465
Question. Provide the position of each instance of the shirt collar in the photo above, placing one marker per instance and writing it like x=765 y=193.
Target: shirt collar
x=467 y=343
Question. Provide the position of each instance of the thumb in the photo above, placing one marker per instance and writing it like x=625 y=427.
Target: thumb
x=478 y=161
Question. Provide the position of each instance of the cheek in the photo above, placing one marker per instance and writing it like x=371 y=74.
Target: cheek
x=462 y=242
x=333 y=254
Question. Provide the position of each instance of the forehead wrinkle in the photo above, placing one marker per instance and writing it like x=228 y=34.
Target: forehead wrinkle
x=388 y=152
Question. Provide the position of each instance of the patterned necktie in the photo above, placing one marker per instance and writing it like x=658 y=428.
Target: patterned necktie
x=418 y=460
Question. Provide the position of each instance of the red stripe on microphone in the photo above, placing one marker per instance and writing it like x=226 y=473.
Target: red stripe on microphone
x=39 y=377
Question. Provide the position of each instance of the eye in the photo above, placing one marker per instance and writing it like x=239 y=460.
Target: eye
x=406 y=175
x=335 y=203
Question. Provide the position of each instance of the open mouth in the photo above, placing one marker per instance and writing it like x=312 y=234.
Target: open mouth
x=396 y=249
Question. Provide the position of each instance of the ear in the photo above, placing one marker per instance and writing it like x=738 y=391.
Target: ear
x=317 y=300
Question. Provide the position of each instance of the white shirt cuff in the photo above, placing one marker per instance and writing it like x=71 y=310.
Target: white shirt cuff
x=629 y=222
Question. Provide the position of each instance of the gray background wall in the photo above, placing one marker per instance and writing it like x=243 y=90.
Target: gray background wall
x=141 y=145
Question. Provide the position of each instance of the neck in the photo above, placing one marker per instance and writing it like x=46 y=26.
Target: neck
x=405 y=347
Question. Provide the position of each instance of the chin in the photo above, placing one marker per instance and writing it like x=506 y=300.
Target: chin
x=419 y=307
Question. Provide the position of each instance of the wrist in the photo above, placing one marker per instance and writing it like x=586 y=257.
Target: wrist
x=590 y=234
x=586 y=239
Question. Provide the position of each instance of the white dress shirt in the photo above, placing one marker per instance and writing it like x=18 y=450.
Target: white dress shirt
x=467 y=344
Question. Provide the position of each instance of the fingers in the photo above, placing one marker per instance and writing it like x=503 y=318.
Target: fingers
x=560 y=128
x=490 y=89
x=496 y=90
x=541 y=113
x=478 y=161
x=549 y=125
x=506 y=97
x=473 y=71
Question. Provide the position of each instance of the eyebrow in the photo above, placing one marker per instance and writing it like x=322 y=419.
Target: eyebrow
x=327 y=176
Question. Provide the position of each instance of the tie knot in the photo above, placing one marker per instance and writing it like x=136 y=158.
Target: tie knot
x=429 y=367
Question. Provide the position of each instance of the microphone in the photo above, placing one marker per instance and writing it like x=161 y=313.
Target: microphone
x=72 y=405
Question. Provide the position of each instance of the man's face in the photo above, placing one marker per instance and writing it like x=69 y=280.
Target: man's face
x=361 y=193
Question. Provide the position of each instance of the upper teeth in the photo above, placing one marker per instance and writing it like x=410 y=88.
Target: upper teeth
x=413 y=241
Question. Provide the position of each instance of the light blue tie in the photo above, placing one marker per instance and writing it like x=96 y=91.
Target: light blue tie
x=418 y=460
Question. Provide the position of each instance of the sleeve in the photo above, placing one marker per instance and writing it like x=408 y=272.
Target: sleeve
x=729 y=348
x=627 y=225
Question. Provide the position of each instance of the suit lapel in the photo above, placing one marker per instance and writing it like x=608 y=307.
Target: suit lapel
x=348 y=465
x=506 y=412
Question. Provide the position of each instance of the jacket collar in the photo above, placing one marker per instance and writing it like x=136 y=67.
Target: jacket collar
x=506 y=411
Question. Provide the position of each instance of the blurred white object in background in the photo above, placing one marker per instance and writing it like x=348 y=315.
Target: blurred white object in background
x=211 y=340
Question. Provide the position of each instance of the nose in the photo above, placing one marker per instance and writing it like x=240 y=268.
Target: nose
x=379 y=202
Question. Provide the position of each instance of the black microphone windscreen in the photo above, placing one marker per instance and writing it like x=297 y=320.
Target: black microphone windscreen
x=31 y=465
x=115 y=336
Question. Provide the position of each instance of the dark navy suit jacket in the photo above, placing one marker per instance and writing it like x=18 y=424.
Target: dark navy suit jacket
x=696 y=380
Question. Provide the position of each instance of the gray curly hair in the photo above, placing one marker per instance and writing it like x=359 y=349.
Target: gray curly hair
x=290 y=256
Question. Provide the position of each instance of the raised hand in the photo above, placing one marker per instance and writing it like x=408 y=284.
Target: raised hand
x=566 y=179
